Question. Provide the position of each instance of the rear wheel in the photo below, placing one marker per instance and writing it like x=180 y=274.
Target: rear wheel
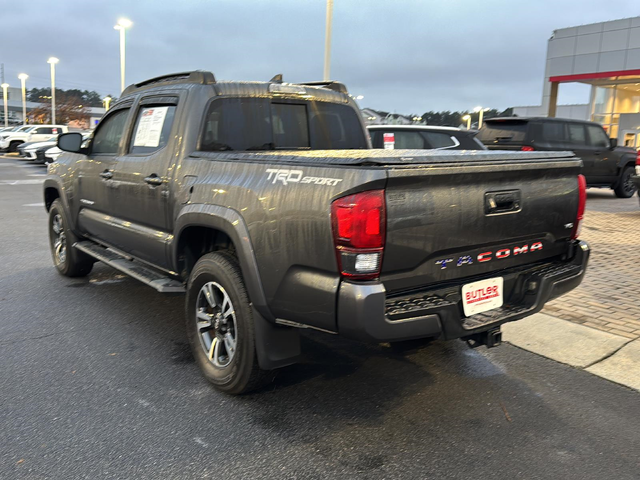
x=220 y=325
x=626 y=188
x=68 y=261
x=13 y=146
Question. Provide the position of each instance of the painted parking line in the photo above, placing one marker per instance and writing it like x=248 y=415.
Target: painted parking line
x=41 y=204
x=34 y=181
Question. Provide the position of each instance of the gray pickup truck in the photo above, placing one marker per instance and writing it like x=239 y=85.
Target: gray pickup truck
x=264 y=203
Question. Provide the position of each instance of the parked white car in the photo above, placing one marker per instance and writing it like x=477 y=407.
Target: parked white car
x=30 y=151
x=33 y=133
x=52 y=154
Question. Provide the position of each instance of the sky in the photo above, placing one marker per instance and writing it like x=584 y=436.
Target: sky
x=405 y=56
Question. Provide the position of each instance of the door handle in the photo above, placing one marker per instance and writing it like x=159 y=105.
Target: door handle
x=597 y=152
x=107 y=174
x=153 y=179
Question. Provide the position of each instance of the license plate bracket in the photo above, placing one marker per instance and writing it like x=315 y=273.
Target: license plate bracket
x=482 y=296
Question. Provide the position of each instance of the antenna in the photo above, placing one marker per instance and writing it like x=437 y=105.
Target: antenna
x=276 y=78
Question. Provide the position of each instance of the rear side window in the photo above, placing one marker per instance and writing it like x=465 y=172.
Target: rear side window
x=245 y=124
x=44 y=130
x=107 y=138
x=237 y=124
x=152 y=128
x=597 y=137
x=576 y=134
x=508 y=132
x=553 y=132
x=440 y=140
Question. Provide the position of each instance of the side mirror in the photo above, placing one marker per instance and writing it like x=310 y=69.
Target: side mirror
x=613 y=142
x=70 y=142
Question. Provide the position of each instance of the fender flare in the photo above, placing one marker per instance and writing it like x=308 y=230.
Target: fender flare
x=55 y=183
x=627 y=160
x=231 y=223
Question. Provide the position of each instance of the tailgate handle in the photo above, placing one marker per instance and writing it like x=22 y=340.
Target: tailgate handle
x=507 y=201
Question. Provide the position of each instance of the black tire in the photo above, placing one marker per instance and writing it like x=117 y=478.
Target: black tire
x=13 y=146
x=73 y=263
x=241 y=374
x=626 y=187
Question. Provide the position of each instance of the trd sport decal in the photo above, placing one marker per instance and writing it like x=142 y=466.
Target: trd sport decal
x=287 y=176
x=488 y=256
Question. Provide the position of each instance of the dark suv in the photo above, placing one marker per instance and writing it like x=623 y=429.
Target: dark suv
x=605 y=163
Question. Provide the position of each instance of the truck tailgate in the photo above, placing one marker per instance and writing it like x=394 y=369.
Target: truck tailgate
x=451 y=222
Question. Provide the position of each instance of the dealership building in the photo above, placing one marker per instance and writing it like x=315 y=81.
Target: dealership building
x=605 y=56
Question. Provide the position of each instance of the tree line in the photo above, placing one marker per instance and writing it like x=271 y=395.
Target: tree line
x=71 y=105
x=453 y=119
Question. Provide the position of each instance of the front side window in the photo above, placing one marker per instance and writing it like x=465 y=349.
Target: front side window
x=597 y=137
x=152 y=128
x=107 y=138
x=408 y=140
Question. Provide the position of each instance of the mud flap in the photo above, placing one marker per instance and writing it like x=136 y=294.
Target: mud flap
x=277 y=346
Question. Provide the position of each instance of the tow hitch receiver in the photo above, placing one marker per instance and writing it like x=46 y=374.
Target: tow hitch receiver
x=490 y=338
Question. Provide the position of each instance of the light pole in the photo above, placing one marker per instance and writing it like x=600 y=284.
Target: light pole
x=23 y=79
x=480 y=111
x=122 y=25
x=52 y=61
x=6 y=109
x=327 y=41
x=106 y=101
x=467 y=118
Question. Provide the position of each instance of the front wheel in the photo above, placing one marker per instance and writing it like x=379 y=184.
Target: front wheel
x=69 y=261
x=220 y=325
x=626 y=188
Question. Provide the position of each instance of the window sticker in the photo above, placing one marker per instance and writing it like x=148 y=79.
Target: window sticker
x=389 y=141
x=150 y=127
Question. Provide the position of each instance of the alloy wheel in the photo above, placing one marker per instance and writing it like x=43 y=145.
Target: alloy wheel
x=216 y=324
x=59 y=240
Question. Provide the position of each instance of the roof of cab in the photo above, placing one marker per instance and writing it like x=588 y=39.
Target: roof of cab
x=325 y=91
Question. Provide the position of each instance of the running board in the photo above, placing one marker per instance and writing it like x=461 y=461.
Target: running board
x=133 y=268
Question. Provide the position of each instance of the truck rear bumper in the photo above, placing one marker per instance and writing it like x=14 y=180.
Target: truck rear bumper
x=365 y=313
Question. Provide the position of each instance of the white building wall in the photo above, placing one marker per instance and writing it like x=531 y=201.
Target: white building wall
x=594 y=48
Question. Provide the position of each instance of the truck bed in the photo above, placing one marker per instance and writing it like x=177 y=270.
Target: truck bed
x=393 y=157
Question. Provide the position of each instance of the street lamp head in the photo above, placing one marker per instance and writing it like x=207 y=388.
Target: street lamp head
x=53 y=60
x=466 y=117
x=477 y=109
x=5 y=85
x=107 y=98
x=23 y=76
x=123 y=23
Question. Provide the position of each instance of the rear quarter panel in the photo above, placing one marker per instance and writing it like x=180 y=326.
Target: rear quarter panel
x=289 y=223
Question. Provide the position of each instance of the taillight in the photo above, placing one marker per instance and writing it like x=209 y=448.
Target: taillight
x=582 y=203
x=359 y=224
x=526 y=148
x=638 y=163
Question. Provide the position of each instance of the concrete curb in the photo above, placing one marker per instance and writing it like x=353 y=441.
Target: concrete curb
x=604 y=354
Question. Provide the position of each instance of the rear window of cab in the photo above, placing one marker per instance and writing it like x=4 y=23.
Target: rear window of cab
x=252 y=124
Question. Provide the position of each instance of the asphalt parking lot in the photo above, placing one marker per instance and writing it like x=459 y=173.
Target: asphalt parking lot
x=97 y=381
